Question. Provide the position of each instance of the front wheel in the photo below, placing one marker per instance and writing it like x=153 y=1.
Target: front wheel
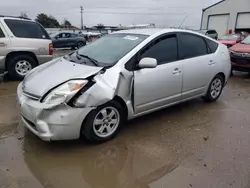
x=215 y=89
x=103 y=123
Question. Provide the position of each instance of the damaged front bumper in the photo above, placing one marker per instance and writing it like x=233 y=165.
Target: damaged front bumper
x=51 y=122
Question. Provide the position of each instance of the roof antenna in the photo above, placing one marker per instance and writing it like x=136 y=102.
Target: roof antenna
x=183 y=21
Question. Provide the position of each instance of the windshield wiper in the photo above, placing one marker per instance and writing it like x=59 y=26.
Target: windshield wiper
x=95 y=62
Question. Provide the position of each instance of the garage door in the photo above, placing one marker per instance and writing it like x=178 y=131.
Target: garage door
x=219 y=23
x=243 y=21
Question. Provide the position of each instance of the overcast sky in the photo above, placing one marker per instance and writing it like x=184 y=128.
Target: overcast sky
x=163 y=13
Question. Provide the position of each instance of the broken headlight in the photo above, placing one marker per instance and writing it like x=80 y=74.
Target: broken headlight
x=65 y=92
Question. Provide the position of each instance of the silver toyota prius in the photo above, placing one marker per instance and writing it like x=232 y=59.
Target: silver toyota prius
x=91 y=92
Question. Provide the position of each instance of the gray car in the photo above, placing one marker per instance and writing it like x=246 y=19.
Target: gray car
x=24 y=44
x=68 y=40
x=94 y=90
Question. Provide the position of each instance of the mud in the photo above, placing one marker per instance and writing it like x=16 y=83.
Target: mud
x=189 y=145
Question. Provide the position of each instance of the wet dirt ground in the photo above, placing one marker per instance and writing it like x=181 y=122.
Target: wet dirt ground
x=189 y=145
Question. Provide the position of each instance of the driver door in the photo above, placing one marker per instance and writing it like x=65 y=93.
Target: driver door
x=161 y=86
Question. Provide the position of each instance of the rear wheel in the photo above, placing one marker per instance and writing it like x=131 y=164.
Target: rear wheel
x=215 y=89
x=80 y=44
x=20 y=65
x=103 y=123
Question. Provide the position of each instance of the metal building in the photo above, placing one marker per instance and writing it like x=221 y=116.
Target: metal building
x=227 y=15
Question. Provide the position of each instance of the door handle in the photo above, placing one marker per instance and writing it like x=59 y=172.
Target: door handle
x=211 y=62
x=176 y=71
x=2 y=44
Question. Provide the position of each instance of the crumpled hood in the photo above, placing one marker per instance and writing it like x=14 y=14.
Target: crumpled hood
x=49 y=75
x=243 y=48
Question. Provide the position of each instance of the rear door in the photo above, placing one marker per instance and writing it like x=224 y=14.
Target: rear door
x=198 y=64
x=73 y=39
x=160 y=86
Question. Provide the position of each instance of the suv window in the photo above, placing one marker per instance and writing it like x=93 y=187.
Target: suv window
x=1 y=34
x=191 y=46
x=26 y=29
x=212 y=45
x=163 y=49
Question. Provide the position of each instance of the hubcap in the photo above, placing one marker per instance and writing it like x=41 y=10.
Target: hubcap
x=80 y=45
x=106 y=122
x=23 y=67
x=216 y=88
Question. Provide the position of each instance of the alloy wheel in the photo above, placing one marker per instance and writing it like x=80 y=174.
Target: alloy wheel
x=106 y=122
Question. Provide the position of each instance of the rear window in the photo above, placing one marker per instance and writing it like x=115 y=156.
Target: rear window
x=26 y=29
x=212 y=45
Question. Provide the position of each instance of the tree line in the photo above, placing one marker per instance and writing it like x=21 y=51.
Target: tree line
x=48 y=21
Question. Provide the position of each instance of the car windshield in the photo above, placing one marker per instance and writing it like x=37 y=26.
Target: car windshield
x=109 y=49
x=246 y=40
x=230 y=37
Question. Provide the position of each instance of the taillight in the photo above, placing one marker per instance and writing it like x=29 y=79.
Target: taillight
x=51 y=51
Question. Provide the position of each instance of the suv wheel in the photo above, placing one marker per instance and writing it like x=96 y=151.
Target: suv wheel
x=103 y=123
x=20 y=65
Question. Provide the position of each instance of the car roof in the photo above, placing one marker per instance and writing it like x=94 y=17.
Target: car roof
x=15 y=18
x=152 y=31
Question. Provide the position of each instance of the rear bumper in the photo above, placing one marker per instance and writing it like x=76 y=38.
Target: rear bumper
x=58 y=122
x=44 y=58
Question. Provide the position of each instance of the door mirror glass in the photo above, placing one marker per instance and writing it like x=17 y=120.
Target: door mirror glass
x=148 y=62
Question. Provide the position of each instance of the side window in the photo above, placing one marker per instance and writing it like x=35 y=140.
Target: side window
x=212 y=45
x=191 y=46
x=164 y=50
x=1 y=34
x=63 y=35
x=26 y=29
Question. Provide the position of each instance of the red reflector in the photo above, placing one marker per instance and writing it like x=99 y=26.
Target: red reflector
x=51 y=51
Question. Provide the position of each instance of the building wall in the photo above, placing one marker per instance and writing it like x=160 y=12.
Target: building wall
x=233 y=7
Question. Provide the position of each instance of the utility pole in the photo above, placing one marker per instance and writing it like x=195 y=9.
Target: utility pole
x=81 y=17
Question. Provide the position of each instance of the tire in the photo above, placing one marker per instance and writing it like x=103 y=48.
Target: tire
x=26 y=61
x=213 y=94
x=93 y=133
x=80 y=44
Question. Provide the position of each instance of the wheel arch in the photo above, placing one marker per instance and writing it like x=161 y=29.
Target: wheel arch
x=16 y=53
x=222 y=75
x=122 y=102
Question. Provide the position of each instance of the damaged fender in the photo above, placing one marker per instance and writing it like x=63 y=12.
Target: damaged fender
x=106 y=87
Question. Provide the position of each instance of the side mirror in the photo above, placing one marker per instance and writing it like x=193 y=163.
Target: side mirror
x=56 y=37
x=148 y=62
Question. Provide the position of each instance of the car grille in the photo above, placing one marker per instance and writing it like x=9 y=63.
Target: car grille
x=240 y=61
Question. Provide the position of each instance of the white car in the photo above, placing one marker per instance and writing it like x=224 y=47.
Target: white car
x=121 y=76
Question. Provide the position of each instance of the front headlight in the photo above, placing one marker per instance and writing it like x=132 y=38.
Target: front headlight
x=65 y=92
